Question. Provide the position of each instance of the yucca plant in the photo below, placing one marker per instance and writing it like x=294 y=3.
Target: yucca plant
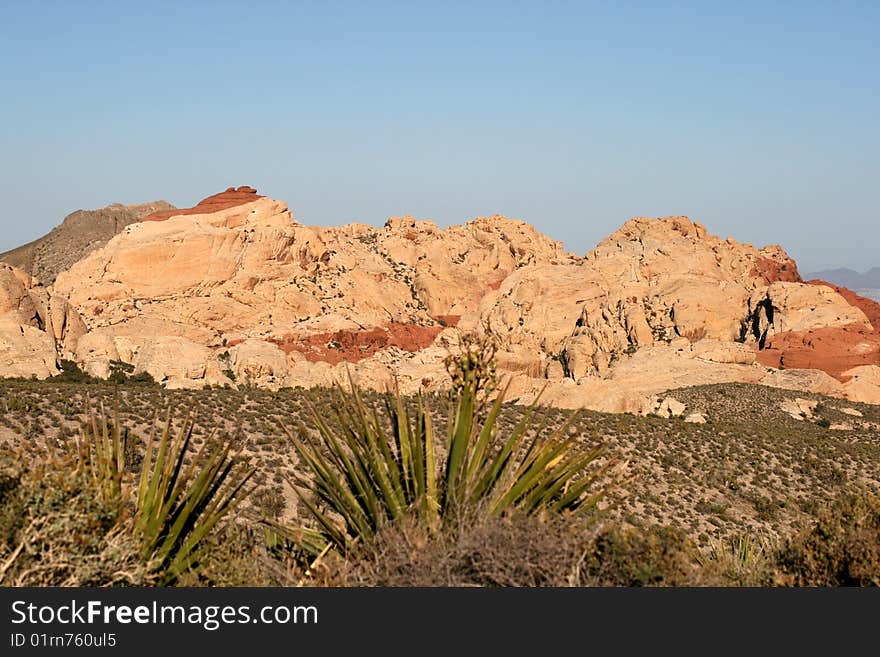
x=365 y=475
x=175 y=505
x=101 y=451
x=741 y=561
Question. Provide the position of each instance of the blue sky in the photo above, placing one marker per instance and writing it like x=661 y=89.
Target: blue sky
x=759 y=119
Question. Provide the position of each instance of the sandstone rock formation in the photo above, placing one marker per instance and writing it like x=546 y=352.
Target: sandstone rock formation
x=234 y=291
x=863 y=384
x=820 y=335
x=37 y=328
x=799 y=409
x=247 y=272
x=223 y=201
x=870 y=307
x=79 y=234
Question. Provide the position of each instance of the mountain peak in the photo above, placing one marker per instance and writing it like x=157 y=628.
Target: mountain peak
x=229 y=198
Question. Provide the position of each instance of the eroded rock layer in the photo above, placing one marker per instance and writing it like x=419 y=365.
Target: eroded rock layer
x=223 y=201
x=37 y=327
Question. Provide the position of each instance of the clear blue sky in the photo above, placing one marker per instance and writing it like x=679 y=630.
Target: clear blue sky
x=759 y=119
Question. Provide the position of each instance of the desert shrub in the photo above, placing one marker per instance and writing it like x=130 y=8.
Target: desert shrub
x=270 y=502
x=71 y=373
x=54 y=530
x=119 y=371
x=179 y=498
x=744 y=560
x=654 y=556
x=237 y=555
x=521 y=550
x=142 y=378
x=514 y=550
x=122 y=373
x=842 y=548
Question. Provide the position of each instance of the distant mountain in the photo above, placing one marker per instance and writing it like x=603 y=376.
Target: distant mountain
x=849 y=278
x=79 y=234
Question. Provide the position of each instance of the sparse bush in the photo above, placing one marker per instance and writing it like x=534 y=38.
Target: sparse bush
x=841 y=549
x=54 y=530
x=515 y=550
x=655 y=556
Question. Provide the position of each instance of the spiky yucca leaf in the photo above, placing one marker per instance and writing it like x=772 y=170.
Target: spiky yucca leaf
x=176 y=508
x=101 y=453
x=364 y=476
x=176 y=505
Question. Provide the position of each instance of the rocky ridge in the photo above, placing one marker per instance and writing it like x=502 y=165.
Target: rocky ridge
x=79 y=234
x=235 y=291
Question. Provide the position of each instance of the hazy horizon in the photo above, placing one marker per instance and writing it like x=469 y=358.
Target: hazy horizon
x=757 y=121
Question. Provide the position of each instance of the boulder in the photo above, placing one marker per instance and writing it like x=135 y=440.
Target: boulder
x=671 y=407
x=259 y=363
x=863 y=384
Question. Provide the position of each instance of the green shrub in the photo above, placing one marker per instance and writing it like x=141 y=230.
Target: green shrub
x=841 y=549
x=55 y=531
x=71 y=373
x=656 y=556
x=142 y=378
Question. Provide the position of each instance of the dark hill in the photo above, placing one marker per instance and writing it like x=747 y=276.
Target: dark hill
x=79 y=234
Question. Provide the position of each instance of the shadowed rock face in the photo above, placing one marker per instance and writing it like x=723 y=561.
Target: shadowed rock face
x=79 y=234
x=224 y=200
x=833 y=349
x=233 y=290
x=37 y=327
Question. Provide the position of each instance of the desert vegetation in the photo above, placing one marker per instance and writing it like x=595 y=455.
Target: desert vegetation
x=377 y=471
x=349 y=487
